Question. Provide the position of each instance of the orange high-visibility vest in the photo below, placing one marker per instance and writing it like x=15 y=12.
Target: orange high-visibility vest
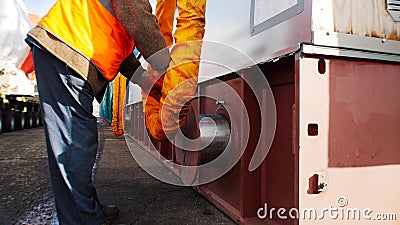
x=90 y=29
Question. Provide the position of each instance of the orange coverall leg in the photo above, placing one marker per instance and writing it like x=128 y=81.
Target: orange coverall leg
x=165 y=12
x=180 y=81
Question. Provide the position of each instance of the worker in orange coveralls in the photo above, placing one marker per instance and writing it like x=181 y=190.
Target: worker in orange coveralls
x=166 y=113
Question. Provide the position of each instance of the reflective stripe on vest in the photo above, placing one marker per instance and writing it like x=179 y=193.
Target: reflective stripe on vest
x=89 y=28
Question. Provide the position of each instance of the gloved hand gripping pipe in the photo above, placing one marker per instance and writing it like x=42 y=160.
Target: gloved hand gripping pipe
x=166 y=115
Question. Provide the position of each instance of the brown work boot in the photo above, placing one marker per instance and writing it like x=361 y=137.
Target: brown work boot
x=110 y=211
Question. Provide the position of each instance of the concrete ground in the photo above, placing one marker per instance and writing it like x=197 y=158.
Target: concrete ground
x=25 y=189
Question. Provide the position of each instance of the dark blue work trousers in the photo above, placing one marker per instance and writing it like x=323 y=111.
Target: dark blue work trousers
x=71 y=137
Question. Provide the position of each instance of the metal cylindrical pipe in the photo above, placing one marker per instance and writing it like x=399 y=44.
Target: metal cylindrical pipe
x=215 y=132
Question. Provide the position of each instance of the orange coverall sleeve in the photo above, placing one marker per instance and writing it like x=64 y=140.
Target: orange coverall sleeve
x=119 y=91
x=166 y=115
x=165 y=12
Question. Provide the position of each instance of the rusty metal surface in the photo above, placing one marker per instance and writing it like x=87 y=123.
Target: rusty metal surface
x=240 y=193
x=228 y=187
x=278 y=173
x=365 y=113
x=280 y=162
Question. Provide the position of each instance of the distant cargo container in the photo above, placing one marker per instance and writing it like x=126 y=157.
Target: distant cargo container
x=19 y=105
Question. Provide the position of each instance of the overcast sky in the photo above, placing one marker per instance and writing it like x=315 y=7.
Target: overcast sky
x=39 y=7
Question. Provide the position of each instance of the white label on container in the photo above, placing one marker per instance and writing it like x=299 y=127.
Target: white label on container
x=267 y=9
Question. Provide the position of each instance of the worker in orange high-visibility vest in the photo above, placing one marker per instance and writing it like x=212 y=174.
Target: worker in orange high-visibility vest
x=167 y=112
x=78 y=47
